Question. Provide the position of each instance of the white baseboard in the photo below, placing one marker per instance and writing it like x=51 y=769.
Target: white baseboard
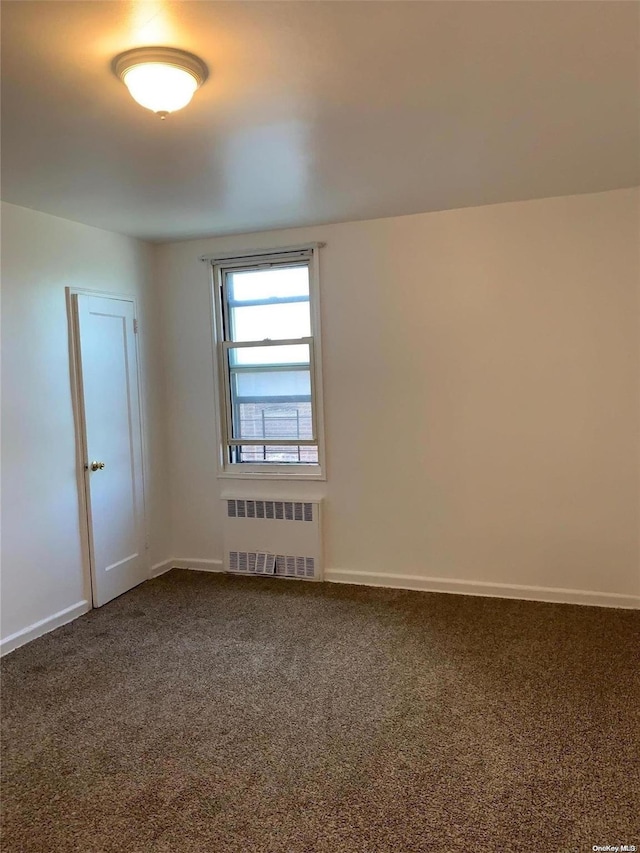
x=31 y=632
x=493 y=590
x=160 y=568
x=196 y=564
x=459 y=587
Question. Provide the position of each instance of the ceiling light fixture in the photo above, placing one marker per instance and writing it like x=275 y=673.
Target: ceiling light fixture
x=161 y=79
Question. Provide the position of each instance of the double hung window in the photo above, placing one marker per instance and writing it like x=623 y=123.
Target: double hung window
x=267 y=342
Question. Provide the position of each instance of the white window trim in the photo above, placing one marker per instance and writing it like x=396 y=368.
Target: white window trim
x=266 y=471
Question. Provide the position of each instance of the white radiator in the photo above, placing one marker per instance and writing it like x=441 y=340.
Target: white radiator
x=273 y=537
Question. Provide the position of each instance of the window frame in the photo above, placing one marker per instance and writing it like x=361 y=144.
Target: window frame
x=266 y=259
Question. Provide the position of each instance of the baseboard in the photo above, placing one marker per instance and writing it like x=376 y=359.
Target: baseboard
x=459 y=587
x=493 y=590
x=31 y=632
x=160 y=568
x=196 y=564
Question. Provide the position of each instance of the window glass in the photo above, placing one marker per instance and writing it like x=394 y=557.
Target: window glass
x=264 y=421
x=282 y=385
x=277 y=322
x=260 y=284
x=258 y=453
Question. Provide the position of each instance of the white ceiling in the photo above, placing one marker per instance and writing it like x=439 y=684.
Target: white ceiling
x=317 y=111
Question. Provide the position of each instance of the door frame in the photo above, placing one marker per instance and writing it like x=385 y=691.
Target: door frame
x=77 y=400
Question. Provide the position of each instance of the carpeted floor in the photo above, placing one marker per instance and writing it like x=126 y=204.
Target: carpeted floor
x=201 y=713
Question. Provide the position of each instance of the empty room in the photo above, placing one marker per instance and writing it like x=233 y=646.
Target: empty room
x=320 y=426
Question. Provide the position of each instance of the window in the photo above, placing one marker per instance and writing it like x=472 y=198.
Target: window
x=267 y=346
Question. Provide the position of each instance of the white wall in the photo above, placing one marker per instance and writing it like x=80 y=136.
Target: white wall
x=481 y=394
x=42 y=572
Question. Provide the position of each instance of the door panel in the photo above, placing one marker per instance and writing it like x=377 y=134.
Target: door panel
x=111 y=409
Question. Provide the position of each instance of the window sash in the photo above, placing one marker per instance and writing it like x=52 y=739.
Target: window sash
x=268 y=342
x=228 y=304
x=228 y=369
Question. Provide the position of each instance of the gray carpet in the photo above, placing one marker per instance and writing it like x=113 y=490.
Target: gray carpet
x=202 y=713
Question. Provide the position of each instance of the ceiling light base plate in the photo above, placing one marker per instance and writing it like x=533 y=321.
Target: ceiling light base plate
x=164 y=55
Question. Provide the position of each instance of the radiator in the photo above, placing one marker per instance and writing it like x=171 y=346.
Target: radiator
x=273 y=537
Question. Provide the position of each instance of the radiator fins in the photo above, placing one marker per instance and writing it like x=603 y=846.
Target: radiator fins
x=259 y=563
x=277 y=510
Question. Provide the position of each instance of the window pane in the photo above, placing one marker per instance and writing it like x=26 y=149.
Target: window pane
x=273 y=386
x=268 y=400
x=272 y=420
x=268 y=356
x=279 y=321
x=252 y=285
x=258 y=453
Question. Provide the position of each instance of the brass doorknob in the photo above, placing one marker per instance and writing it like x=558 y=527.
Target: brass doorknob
x=96 y=466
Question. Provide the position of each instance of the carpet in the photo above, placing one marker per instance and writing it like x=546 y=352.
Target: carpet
x=202 y=713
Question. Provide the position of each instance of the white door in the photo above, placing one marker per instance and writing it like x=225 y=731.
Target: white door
x=108 y=367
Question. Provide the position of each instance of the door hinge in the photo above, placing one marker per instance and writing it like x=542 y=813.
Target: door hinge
x=135 y=325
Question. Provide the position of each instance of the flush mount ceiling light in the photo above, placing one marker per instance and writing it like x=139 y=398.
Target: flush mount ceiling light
x=161 y=79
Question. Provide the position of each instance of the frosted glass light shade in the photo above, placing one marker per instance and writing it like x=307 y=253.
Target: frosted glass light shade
x=161 y=79
x=160 y=88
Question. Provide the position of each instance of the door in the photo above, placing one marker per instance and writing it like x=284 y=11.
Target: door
x=110 y=403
